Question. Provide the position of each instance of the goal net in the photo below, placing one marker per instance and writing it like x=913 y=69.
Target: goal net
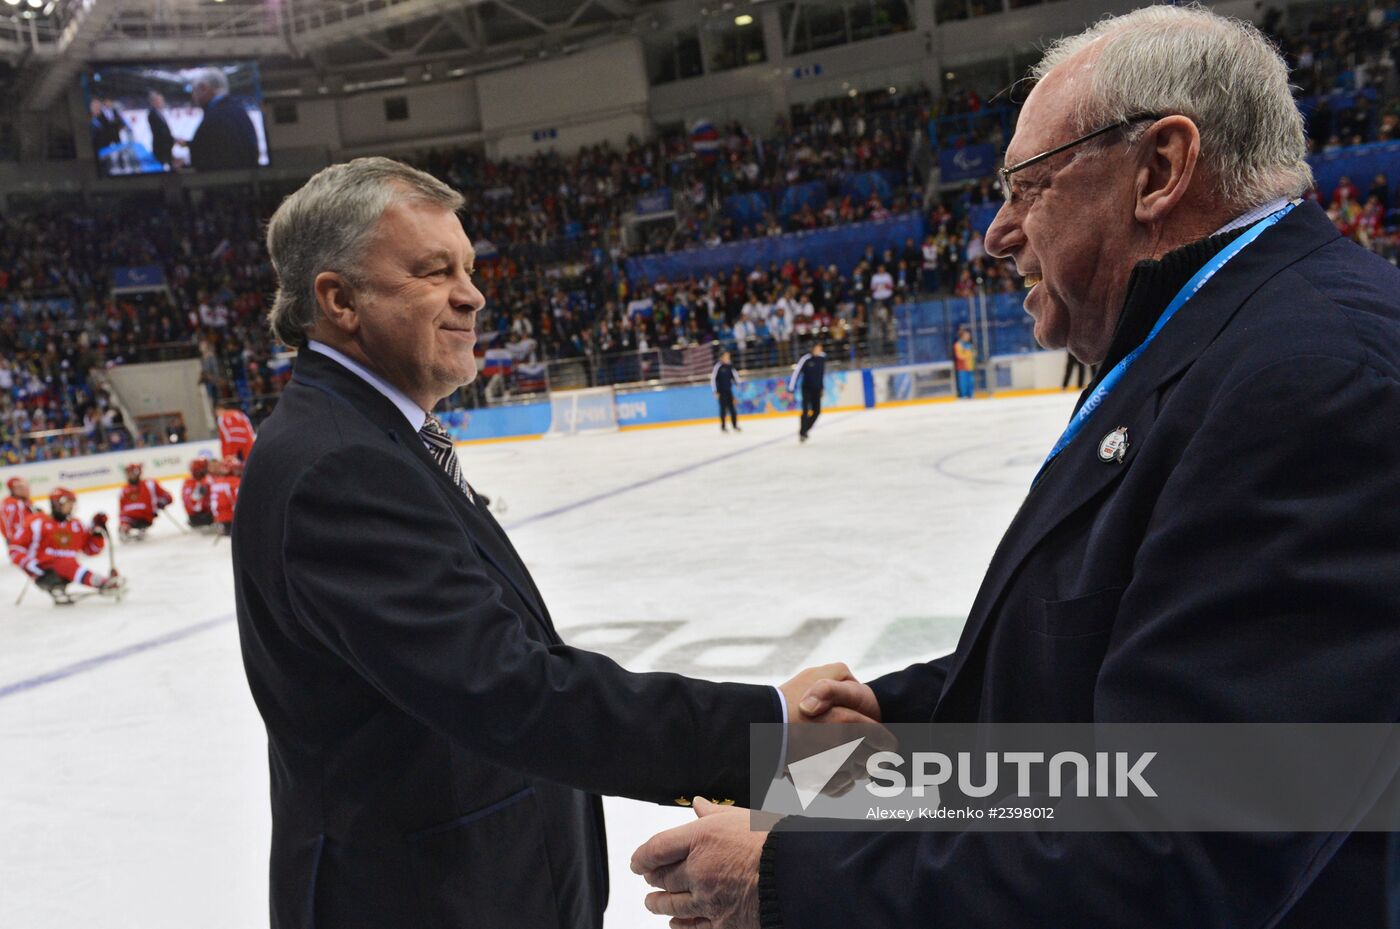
x=588 y=410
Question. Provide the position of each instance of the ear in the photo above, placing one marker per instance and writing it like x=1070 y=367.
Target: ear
x=336 y=300
x=1169 y=165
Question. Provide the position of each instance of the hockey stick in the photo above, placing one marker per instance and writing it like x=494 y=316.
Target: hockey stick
x=24 y=590
x=111 y=565
x=111 y=551
x=178 y=525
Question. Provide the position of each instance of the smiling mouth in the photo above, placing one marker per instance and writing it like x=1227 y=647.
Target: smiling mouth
x=1030 y=280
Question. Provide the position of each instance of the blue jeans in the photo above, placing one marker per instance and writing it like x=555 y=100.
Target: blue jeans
x=965 y=384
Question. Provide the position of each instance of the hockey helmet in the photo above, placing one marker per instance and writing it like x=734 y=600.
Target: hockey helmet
x=62 y=496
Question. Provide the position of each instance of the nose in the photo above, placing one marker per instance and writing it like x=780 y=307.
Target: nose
x=1004 y=235
x=466 y=296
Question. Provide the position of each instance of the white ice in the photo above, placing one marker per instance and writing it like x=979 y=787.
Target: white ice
x=133 y=790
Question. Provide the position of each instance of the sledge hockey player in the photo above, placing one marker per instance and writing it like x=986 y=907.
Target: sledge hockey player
x=223 y=491
x=195 y=495
x=236 y=433
x=55 y=544
x=141 y=500
x=16 y=512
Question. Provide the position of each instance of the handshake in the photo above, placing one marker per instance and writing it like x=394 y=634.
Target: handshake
x=706 y=871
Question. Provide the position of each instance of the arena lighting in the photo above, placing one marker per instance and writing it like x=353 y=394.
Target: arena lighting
x=743 y=19
x=48 y=10
x=12 y=2
x=35 y=3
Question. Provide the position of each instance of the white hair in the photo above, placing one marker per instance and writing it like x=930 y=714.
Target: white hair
x=213 y=78
x=327 y=224
x=1222 y=73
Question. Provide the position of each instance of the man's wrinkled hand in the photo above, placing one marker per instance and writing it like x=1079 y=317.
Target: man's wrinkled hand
x=706 y=870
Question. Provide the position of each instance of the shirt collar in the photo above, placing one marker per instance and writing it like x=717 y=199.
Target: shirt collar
x=1253 y=216
x=412 y=412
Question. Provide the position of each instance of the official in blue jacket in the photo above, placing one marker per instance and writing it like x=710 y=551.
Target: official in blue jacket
x=1215 y=539
x=807 y=383
x=723 y=379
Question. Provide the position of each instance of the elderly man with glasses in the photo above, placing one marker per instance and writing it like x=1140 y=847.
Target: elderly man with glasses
x=1215 y=538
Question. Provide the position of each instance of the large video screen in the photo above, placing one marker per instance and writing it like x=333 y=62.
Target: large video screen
x=155 y=118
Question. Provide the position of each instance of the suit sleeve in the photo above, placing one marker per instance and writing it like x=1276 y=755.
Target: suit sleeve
x=379 y=570
x=909 y=696
x=1266 y=589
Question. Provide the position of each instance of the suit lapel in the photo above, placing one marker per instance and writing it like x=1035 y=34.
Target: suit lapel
x=319 y=372
x=1079 y=474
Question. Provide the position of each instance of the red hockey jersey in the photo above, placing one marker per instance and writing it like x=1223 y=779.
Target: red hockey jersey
x=223 y=494
x=195 y=495
x=140 y=501
x=235 y=435
x=51 y=540
x=15 y=516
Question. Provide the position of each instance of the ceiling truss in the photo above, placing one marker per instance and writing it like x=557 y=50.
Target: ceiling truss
x=316 y=37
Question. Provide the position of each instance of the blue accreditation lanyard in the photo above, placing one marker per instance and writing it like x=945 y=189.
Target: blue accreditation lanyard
x=1111 y=379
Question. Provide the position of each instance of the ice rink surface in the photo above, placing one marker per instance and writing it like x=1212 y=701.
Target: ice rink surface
x=133 y=776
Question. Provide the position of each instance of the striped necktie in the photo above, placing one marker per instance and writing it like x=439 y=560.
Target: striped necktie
x=440 y=447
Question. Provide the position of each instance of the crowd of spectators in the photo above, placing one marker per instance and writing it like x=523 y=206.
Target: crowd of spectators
x=59 y=318
x=1345 y=61
x=552 y=207
x=1363 y=218
x=553 y=232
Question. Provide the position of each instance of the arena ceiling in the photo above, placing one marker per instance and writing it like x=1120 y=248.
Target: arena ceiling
x=304 y=45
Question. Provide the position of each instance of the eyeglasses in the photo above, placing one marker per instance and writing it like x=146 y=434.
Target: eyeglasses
x=1004 y=174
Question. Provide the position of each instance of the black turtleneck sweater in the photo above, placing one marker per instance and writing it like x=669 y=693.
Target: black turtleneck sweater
x=1153 y=284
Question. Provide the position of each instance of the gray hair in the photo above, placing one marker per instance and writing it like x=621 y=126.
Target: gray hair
x=327 y=224
x=1222 y=73
x=213 y=78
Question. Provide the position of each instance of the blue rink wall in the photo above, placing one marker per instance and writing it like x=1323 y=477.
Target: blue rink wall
x=662 y=405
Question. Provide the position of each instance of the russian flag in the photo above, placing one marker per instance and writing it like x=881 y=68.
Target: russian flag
x=497 y=361
x=704 y=140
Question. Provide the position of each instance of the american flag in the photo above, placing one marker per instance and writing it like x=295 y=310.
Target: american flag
x=692 y=363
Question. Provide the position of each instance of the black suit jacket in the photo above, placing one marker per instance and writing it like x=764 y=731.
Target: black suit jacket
x=162 y=141
x=434 y=747
x=225 y=138
x=1242 y=564
x=106 y=129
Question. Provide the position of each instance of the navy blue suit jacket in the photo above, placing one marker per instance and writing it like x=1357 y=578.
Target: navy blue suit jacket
x=1241 y=564
x=435 y=748
x=225 y=139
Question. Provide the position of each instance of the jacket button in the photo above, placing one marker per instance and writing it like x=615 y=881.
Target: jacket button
x=682 y=801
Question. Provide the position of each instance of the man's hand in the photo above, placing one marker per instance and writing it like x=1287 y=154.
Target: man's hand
x=832 y=695
x=829 y=693
x=707 y=870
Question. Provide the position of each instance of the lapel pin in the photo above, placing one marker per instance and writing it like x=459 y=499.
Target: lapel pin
x=1114 y=446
